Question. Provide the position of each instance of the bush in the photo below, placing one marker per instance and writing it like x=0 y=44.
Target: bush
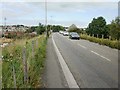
x=114 y=44
x=107 y=42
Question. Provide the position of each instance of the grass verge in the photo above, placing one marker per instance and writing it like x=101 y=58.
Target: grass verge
x=13 y=55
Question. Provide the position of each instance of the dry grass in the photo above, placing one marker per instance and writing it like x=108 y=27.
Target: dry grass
x=5 y=40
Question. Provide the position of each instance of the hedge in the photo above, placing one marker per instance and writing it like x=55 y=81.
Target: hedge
x=107 y=42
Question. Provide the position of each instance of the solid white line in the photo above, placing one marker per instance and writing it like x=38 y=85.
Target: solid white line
x=68 y=75
x=101 y=56
x=82 y=46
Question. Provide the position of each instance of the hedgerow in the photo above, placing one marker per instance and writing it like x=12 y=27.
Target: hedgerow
x=107 y=42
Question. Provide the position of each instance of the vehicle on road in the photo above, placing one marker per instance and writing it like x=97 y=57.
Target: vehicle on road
x=61 y=32
x=74 y=35
x=66 y=33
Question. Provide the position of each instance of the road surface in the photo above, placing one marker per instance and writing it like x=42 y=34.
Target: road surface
x=92 y=65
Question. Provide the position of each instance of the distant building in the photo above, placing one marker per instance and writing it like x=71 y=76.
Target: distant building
x=14 y=28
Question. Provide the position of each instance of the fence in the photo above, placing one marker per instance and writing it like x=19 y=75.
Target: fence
x=99 y=36
x=22 y=63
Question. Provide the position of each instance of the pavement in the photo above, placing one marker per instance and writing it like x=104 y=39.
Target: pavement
x=92 y=65
x=53 y=76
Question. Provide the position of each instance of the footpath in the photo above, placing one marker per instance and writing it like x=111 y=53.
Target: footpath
x=53 y=76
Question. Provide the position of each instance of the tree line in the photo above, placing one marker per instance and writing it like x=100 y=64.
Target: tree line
x=41 y=28
x=99 y=27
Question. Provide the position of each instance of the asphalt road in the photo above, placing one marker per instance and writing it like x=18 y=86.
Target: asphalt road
x=92 y=65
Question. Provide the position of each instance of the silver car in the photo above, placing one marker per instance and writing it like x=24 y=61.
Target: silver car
x=74 y=35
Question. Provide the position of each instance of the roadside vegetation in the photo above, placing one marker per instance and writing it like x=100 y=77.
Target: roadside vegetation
x=99 y=31
x=22 y=63
x=5 y=40
x=99 y=28
x=101 y=41
x=41 y=28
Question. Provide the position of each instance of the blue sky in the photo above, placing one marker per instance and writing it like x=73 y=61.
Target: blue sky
x=59 y=13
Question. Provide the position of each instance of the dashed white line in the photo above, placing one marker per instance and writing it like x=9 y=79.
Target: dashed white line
x=100 y=55
x=92 y=51
x=82 y=46
x=95 y=53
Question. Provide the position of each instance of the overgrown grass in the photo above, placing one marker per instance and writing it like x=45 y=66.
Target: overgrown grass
x=107 y=42
x=13 y=57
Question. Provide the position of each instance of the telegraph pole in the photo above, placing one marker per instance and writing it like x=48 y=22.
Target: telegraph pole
x=4 y=25
x=47 y=34
x=51 y=24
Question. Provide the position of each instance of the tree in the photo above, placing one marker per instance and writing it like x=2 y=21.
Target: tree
x=115 y=28
x=32 y=29
x=57 y=28
x=40 y=29
x=98 y=26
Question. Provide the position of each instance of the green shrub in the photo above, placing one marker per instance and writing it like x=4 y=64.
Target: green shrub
x=107 y=42
x=114 y=44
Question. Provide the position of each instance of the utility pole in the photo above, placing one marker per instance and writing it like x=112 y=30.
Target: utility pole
x=4 y=29
x=51 y=24
x=47 y=34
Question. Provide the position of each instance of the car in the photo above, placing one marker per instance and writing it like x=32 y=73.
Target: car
x=66 y=33
x=61 y=32
x=74 y=35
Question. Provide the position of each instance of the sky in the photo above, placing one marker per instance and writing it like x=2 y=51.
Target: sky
x=59 y=12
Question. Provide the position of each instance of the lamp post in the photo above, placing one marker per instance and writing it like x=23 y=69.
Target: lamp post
x=47 y=34
x=51 y=24
x=4 y=29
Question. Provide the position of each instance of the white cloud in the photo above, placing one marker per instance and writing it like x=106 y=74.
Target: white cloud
x=63 y=7
x=59 y=0
x=119 y=8
x=18 y=11
x=15 y=9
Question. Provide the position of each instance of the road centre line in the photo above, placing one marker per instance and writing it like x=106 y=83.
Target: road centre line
x=68 y=75
x=100 y=55
x=78 y=44
x=82 y=46
x=92 y=51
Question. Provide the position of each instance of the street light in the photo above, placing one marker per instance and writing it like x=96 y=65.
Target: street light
x=51 y=24
x=47 y=35
x=4 y=25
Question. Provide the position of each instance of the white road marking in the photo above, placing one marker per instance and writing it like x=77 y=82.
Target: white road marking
x=101 y=56
x=78 y=44
x=68 y=75
x=82 y=46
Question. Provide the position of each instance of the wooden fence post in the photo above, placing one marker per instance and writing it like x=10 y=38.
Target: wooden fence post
x=14 y=76
x=102 y=36
x=97 y=35
x=109 y=37
x=1 y=82
x=32 y=48
x=25 y=66
x=37 y=43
